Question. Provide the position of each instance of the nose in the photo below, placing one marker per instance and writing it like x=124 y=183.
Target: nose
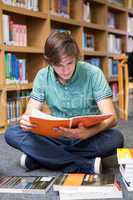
x=64 y=70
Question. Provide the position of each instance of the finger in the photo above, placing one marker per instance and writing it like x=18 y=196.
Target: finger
x=80 y=125
x=25 y=128
x=64 y=129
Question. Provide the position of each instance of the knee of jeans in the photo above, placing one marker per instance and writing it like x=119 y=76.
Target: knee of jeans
x=119 y=139
x=10 y=134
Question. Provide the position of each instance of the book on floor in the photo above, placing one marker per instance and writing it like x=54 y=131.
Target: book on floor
x=128 y=184
x=87 y=186
x=127 y=172
x=46 y=125
x=125 y=155
x=27 y=185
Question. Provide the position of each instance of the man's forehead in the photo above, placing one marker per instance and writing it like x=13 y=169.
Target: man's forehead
x=65 y=59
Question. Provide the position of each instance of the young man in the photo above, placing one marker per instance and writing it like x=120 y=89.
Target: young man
x=70 y=88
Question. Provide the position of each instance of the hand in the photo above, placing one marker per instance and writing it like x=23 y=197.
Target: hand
x=76 y=133
x=25 y=123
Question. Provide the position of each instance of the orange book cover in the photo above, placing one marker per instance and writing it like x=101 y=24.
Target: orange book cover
x=74 y=179
x=45 y=124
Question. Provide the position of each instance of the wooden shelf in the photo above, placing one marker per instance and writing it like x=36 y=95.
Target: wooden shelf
x=116 y=7
x=94 y=26
x=23 y=11
x=100 y=1
x=2 y=130
x=112 y=55
x=15 y=87
x=116 y=31
x=1 y=87
x=94 y=53
x=130 y=11
x=22 y=49
x=65 y=20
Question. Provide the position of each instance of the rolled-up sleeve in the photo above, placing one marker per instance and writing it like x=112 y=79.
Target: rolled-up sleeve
x=38 y=91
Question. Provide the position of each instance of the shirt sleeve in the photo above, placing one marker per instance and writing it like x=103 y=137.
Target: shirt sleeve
x=101 y=88
x=38 y=91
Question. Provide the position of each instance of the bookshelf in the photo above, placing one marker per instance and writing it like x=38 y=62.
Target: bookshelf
x=47 y=18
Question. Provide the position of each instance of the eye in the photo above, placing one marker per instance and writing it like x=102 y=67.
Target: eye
x=70 y=63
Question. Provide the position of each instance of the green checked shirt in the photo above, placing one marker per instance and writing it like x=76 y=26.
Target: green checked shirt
x=78 y=97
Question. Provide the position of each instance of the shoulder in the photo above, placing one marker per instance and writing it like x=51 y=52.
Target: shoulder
x=43 y=71
x=88 y=69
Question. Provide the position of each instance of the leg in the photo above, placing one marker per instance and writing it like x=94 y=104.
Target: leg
x=49 y=152
x=102 y=145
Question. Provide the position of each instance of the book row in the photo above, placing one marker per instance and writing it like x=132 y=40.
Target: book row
x=16 y=106
x=28 y=4
x=13 y=33
x=68 y=186
x=60 y=8
x=15 y=69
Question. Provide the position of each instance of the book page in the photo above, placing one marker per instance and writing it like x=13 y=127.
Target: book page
x=42 y=115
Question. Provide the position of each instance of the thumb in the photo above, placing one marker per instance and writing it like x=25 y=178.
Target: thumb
x=80 y=125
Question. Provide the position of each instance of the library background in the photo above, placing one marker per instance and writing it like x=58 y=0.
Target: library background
x=103 y=30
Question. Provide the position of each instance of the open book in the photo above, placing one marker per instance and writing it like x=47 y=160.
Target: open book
x=45 y=124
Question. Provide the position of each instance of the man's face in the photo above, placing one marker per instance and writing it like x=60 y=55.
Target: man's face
x=65 y=69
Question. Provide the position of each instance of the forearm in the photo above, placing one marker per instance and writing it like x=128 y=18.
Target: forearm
x=106 y=124
x=31 y=105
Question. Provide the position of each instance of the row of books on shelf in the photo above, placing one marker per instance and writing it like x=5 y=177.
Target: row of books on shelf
x=16 y=106
x=112 y=68
x=15 y=69
x=60 y=8
x=86 y=11
x=121 y=3
x=114 y=44
x=118 y=2
x=111 y=20
x=94 y=61
x=88 y=41
x=13 y=33
x=68 y=186
x=130 y=44
x=114 y=87
x=130 y=25
x=28 y=4
x=125 y=161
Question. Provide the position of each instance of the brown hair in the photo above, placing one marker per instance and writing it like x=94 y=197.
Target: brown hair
x=59 y=44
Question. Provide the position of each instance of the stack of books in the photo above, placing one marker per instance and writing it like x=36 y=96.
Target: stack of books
x=84 y=186
x=25 y=185
x=125 y=160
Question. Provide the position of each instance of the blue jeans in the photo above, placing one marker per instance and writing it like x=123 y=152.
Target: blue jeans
x=63 y=153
